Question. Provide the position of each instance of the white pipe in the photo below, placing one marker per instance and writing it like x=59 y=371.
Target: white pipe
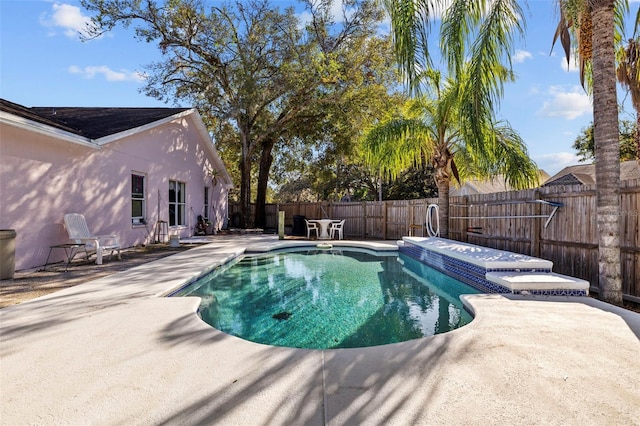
x=433 y=208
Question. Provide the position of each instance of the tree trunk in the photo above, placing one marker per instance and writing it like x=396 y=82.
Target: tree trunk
x=441 y=161
x=245 y=180
x=607 y=151
x=245 y=191
x=443 y=205
x=638 y=135
x=266 y=159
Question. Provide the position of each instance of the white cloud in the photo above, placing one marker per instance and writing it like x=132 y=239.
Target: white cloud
x=534 y=90
x=66 y=17
x=521 y=56
x=109 y=74
x=565 y=104
x=554 y=162
x=336 y=12
x=305 y=18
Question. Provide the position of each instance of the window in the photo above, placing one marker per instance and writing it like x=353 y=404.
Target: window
x=206 y=202
x=137 y=199
x=177 y=204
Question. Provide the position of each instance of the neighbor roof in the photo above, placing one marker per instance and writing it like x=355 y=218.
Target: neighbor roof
x=585 y=174
x=91 y=122
x=487 y=186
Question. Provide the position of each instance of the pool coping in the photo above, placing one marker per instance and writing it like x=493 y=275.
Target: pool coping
x=112 y=352
x=484 y=257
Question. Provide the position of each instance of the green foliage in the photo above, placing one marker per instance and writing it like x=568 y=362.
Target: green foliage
x=412 y=184
x=326 y=154
x=435 y=131
x=260 y=78
x=585 y=147
x=355 y=182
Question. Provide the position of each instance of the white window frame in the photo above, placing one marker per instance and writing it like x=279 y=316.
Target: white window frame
x=178 y=206
x=137 y=197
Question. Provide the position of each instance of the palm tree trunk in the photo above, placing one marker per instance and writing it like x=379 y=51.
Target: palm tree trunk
x=638 y=135
x=443 y=204
x=607 y=152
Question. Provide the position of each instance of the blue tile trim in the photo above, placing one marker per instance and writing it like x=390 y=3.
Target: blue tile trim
x=474 y=275
x=556 y=292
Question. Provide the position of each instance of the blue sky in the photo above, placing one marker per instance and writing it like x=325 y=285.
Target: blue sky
x=43 y=63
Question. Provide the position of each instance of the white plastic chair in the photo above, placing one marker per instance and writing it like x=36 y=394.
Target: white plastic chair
x=79 y=232
x=311 y=227
x=336 y=227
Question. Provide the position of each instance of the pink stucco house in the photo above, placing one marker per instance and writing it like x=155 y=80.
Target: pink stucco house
x=124 y=169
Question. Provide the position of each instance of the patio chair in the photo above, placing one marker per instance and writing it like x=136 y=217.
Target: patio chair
x=336 y=227
x=79 y=232
x=311 y=227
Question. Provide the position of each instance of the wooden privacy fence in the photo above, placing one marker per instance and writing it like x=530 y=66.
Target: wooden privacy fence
x=516 y=221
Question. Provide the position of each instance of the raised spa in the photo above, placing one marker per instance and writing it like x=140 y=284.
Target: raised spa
x=321 y=299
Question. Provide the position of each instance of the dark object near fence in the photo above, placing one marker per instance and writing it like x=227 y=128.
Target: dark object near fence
x=201 y=226
x=299 y=227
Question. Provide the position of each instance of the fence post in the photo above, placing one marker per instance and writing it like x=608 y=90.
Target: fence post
x=280 y=225
x=364 y=219
x=410 y=207
x=384 y=220
x=464 y=212
x=537 y=226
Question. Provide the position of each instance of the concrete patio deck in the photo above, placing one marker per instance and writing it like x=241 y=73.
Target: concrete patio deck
x=112 y=351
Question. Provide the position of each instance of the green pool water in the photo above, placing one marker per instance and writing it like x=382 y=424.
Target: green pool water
x=322 y=299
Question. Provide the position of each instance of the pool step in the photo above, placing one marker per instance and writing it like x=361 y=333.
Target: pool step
x=544 y=283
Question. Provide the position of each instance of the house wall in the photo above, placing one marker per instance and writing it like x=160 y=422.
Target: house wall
x=43 y=178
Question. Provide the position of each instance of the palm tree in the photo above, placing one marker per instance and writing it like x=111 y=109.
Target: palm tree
x=465 y=131
x=592 y=24
x=434 y=128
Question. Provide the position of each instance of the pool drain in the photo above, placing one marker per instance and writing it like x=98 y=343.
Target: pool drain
x=282 y=315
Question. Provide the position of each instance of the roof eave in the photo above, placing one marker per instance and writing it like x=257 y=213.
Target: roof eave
x=130 y=132
x=46 y=130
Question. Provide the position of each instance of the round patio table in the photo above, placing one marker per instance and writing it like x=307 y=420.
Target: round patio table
x=324 y=227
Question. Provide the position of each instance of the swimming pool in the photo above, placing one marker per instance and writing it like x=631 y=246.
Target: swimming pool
x=322 y=299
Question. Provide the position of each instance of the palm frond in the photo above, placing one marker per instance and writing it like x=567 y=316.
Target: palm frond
x=497 y=22
x=410 y=28
x=457 y=23
x=562 y=32
x=620 y=11
x=628 y=69
x=519 y=170
x=396 y=145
